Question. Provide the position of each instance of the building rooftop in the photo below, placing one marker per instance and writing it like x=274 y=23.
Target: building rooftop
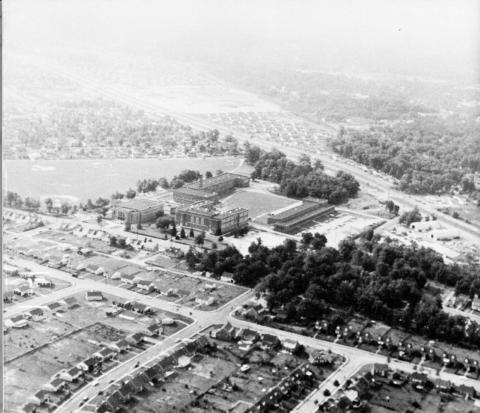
x=215 y=180
x=139 y=204
x=288 y=213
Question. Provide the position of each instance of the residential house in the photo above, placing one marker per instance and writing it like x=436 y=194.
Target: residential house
x=23 y=290
x=88 y=364
x=443 y=385
x=105 y=354
x=152 y=330
x=476 y=303
x=128 y=279
x=120 y=346
x=145 y=285
x=380 y=370
x=72 y=374
x=269 y=341
x=70 y=302
x=54 y=307
x=135 y=338
x=29 y=408
x=167 y=321
x=17 y=321
x=55 y=385
x=224 y=333
x=419 y=380
x=36 y=314
x=8 y=296
x=40 y=397
x=43 y=282
x=94 y=296
x=290 y=345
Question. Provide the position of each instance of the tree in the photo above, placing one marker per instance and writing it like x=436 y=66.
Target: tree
x=191 y=234
x=200 y=239
x=163 y=222
x=409 y=217
x=208 y=174
x=159 y=214
x=131 y=194
x=122 y=243
x=214 y=246
x=99 y=219
x=182 y=233
x=113 y=240
x=65 y=208
x=190 y=259
x=49 y=204
x=128 y=226
x=173 y=231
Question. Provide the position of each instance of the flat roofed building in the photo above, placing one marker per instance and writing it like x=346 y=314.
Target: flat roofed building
x=203 y=216
x=289 y=220
x=210 y=189
x=137 y=210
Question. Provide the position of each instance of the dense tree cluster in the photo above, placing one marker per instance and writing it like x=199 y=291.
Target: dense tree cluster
x=428 y=155
x=409 y=217
x=302 y=179
x=380 y=280
x=150 y=185
x=14 y=200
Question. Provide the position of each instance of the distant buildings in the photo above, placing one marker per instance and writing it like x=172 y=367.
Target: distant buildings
x=289 y=220
x=137 y=210
x=203 y=216
x=210 y=189
x=476 y=303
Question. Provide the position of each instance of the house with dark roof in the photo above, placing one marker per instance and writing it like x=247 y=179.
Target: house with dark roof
x=17 y=321
x=35 y=314
x=94 y=296
x=88 y=364
x=152 y=330
x=105 y=354
x=135 y=338
x=120 y=346
x=72 y=374
x=55 y=385
x=40 y=397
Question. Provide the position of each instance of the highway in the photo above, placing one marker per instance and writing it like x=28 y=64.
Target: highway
x=373 y=184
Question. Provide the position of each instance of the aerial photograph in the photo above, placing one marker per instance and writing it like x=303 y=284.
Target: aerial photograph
x=241 y=206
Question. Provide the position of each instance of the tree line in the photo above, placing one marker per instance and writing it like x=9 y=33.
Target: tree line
x=428 y=155
x=302 y=179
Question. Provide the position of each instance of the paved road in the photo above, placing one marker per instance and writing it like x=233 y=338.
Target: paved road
x=375 y=184
x=356 y=358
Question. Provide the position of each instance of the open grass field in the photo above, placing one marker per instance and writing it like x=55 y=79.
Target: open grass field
x=257 y=202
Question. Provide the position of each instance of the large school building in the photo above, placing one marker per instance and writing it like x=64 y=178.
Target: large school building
x=203 y=216
x=211 y=189
x=290 y=220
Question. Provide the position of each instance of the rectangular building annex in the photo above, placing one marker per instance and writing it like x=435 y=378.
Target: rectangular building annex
x=210 y=189
x=203 y=216
x=137 y=210
x=292 y=219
